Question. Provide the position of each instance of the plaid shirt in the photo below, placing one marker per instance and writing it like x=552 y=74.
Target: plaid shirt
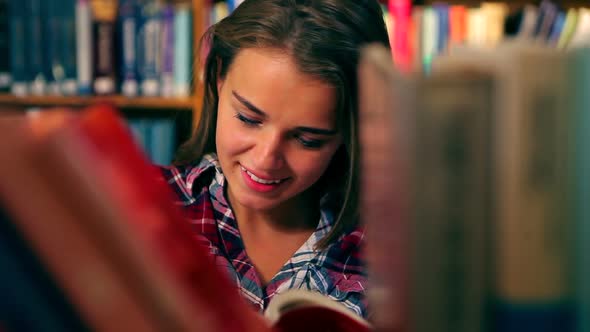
x=336 y=271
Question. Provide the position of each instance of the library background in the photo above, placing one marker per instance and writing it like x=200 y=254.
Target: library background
x=495 y=235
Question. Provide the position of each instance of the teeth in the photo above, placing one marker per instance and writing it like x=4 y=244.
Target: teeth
x=259 y=180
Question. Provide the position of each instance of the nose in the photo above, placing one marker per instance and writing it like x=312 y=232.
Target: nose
x=269 y=154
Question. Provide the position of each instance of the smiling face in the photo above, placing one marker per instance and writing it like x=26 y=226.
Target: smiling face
x=276 y=129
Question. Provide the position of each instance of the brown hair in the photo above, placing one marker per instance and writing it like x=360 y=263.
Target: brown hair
x=324 y=38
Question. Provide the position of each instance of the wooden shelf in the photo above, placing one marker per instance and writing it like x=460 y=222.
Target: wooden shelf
x=156 y=103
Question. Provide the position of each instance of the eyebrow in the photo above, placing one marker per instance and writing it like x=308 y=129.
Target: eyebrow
x=251 y=107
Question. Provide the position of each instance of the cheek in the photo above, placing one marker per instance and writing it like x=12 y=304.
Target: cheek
x=231 y=138
x=312 y=168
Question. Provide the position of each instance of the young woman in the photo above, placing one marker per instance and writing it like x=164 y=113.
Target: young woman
x=269 y=178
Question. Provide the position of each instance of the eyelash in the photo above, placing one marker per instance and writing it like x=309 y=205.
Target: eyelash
x=309 y=143
x=306 y=143
x=247 y=121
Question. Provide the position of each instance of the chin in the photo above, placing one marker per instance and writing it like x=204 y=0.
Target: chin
x=258 y=204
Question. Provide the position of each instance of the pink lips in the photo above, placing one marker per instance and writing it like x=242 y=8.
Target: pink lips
x=257 y=186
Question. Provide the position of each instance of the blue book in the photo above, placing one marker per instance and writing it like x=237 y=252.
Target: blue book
x=183 y=36
x=67 y=49
x=127 y=22
x=19 y=68
x=84 y=53
x=167 y=54
x=547 y=14
x=31 y=300
x=442 y=39
x=557 y=28
x=36 y=45
x=162 y=141
x=53 y=63
x=233 y=4
x=140 y=129
x=149 y=47
x=5 y=76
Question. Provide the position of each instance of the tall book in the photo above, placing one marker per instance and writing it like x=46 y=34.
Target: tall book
x=167 y=54
x=533 y=257
x=19 y=60
x=183 y=49
x=127 y=29
x=52 y=44
x=580 y=184
x=384 y=133
x=5 y=77
x=104 y=13
x=451 y=200
x=162 y=140
x=149 y=47
x=581 y=31
x=84 y=47
x=400 y=12
x=67 y=50
x=35 y=42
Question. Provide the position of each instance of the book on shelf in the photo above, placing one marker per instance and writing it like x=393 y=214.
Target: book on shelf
x=425 y=151
x=99 y=221
x=5 y=76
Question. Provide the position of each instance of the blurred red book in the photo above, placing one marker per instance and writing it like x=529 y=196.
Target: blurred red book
x=104 y=223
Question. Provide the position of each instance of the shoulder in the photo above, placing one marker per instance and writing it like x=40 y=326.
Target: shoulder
x=347 y=270
x=344 y=257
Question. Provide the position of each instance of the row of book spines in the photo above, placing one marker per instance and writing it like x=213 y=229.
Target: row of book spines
x=420 y=33
x=64 y=47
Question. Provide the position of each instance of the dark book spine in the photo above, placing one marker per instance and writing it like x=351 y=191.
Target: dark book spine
x=127 y=31
x=53 y=62
x=69 y=85
x=103 y=31
x=18 y=48
x=167 y=59
x=149 y=48
x=36 y=46
x=5 y=77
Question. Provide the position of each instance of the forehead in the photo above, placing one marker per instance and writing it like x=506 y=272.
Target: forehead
x=270 y=80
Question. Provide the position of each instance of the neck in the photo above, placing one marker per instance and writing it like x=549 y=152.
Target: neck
x=295 y=216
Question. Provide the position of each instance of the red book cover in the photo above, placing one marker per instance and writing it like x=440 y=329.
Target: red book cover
x=67 y=251
x=157 y=243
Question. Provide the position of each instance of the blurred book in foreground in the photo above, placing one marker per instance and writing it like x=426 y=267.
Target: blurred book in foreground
x=82 y=204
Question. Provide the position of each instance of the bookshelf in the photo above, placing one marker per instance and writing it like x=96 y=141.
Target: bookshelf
x=146 y=105
x=122 y=102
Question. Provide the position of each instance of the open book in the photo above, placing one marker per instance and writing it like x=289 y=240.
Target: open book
x=82 y=208
x=301 y=310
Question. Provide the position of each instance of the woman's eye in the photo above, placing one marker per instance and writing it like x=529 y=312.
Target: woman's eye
x=310 y=143
x=246 y=120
